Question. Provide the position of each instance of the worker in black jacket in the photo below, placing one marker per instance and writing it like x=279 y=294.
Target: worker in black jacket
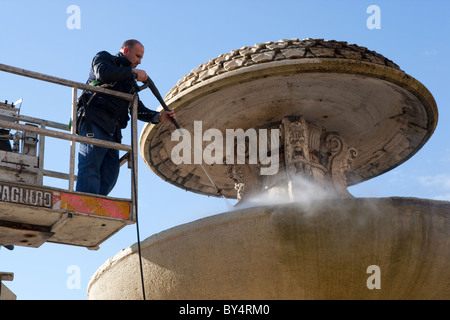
x=103 y=117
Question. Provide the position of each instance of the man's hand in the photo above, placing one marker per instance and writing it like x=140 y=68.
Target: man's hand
x=166 y=116
x=141 y=75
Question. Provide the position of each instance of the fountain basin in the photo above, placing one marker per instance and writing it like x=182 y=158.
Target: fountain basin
x=292 y=251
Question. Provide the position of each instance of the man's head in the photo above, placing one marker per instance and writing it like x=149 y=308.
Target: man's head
x=133 y=50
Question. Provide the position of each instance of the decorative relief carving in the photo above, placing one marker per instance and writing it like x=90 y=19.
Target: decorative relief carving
x=307 y=152
x=340 y=160
x=236 y=174
x=247 y=180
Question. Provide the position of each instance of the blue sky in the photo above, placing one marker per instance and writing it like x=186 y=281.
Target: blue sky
x=179 y=36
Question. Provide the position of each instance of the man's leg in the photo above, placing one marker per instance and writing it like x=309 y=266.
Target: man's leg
x=109 y=171
x=90 y=162
x=88 y=177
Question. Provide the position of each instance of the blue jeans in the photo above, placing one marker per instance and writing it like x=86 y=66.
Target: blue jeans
x=98 y=167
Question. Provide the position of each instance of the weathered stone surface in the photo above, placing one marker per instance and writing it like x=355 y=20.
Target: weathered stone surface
x=377 y=109
x=322 y=52
x=350 y=54
x=263 y=57
x=290 y=49
x=316 y=251
x=234 y=64
x=208 y=73
x=293 y=53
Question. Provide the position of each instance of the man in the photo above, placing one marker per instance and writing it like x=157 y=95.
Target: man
x=103 y=117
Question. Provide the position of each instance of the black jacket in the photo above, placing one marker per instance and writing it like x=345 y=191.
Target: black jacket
x=108 y=112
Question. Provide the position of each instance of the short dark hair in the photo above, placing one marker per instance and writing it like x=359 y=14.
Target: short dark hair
x=130 y=44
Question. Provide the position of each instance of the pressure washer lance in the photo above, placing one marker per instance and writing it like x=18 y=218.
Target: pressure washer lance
x=149 y=84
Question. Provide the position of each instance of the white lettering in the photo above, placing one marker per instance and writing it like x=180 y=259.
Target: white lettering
x=241 y=145
x=374 y=281
x=374 y=21
x=245 y=309
x=73 y=21
x=216 y=147
x=198 y=142
x=184 y=146
x=273 y=159
x=21 y=195
x=74 y=280
x=244 y=142
x=15 y=194
x=196 y=310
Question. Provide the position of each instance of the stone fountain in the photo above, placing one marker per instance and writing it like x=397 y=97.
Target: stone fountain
x=285 y=127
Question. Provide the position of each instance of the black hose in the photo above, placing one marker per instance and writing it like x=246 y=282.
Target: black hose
x=135 y=201
x=158 y=96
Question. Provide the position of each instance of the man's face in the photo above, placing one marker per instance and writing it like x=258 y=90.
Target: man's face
x=134 y=54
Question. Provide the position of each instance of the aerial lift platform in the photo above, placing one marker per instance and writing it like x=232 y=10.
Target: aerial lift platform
x=31 y=213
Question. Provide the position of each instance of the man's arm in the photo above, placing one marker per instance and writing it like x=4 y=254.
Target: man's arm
x=155 y=117
x=147 y=115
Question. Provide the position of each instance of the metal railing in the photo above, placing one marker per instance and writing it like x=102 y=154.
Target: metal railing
x=72 y=136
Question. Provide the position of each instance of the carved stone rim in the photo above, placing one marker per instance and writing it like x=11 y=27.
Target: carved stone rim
x=289 y=67
x=281 y=50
